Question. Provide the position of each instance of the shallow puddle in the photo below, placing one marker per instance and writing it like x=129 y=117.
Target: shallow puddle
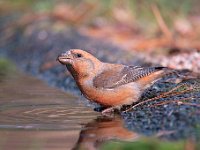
x=34 y=115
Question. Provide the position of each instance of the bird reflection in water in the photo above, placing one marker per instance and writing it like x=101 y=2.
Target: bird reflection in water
x=103 y=129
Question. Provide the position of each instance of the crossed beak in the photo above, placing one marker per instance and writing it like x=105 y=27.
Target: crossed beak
x=65 y=58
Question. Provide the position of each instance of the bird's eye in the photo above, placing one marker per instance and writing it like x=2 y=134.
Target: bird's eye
x=79 y=55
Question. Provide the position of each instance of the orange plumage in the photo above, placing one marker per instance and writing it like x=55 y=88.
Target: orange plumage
x=111 y=85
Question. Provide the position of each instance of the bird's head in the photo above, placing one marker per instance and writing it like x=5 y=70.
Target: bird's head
x=79 y=62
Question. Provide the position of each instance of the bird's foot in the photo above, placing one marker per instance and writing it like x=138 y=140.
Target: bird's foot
x=109 y=111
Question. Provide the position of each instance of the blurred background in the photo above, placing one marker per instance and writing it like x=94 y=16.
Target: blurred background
x=158 y=27
x=135 y=24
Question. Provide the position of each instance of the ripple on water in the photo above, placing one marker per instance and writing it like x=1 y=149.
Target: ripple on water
x=39 y=107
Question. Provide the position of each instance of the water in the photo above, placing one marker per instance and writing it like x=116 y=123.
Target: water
x=34 y=115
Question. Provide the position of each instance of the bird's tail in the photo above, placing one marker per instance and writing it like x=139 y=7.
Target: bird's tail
x=159 y=72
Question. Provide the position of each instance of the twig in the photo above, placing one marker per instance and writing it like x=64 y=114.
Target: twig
x=177 y=101
x=191 y=104
x=170 y=91
x=182 y=103
x=161 y=22
x=163 y=95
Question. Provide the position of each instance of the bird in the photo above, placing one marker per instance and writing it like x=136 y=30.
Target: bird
x=110 y=85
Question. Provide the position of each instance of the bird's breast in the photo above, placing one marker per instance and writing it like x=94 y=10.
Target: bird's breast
x=126 y=94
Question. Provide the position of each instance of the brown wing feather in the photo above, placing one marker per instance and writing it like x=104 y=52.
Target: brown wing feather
x=107 y=78
x=115 y=78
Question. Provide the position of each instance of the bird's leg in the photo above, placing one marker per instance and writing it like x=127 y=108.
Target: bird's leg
x=110 y=110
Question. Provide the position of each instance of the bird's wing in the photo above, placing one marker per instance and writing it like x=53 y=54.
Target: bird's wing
x=114 y=78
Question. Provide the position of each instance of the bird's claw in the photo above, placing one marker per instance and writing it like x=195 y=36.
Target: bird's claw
x=110 y=111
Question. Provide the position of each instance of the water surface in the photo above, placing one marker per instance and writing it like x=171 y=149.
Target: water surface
x=34 y=115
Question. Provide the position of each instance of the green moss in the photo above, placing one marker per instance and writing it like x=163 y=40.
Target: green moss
x=197 y=127
x=145 y=144
x=6 y=67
